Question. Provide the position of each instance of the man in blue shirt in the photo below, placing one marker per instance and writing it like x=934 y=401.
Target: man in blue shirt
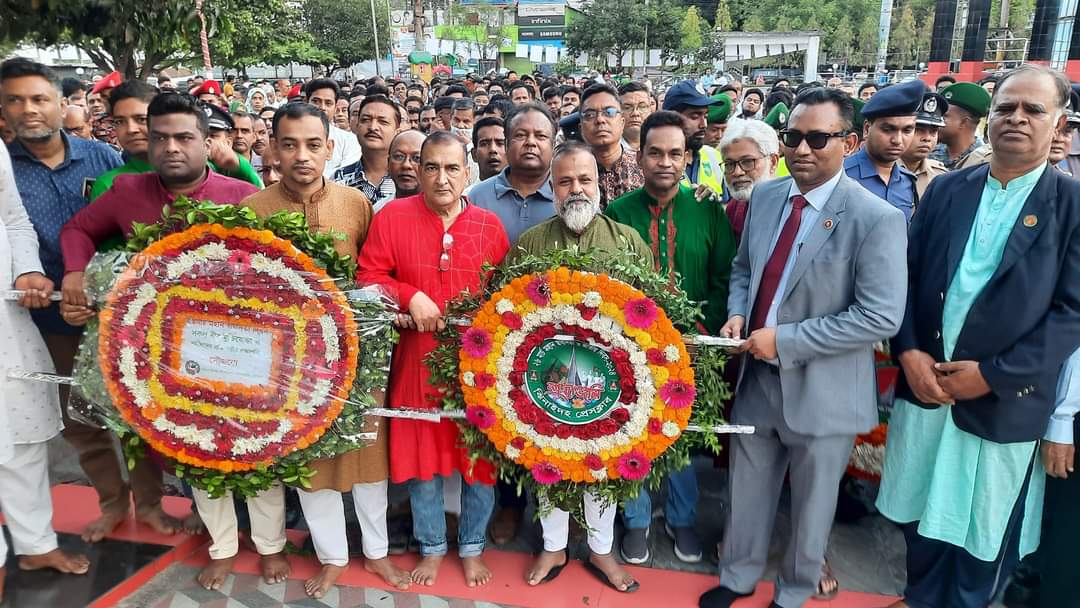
x=521 y=193
x=887 y=131
x=54 y=174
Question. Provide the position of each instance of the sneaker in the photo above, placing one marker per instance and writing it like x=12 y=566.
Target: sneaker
x=635 y=546
x=687 y=545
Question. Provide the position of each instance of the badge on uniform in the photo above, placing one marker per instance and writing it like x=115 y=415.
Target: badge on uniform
x=1031 y=220
x=827 y=224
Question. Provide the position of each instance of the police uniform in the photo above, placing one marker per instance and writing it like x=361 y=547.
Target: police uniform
x=220 y=120
x=897 y=100
x=975 y=100
x=931 y=114
x=706 y=167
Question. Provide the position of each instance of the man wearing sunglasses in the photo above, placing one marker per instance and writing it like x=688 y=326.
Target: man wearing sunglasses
x=888 y=128
x=819 y=278
x=602 y=124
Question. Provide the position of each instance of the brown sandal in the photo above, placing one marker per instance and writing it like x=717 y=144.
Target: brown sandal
x=828 y=587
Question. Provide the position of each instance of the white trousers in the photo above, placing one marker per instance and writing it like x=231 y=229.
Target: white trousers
x=267 y=513
x=601 y=521
x=326 y=521
x=26 y=502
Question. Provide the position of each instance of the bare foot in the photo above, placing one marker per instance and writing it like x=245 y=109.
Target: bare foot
x=193 y=524
x=318 y=585
x=56 y=560
x=544 y=564
x=159 y=520
x=425 y=572
x=613 y=570
x=275 y=568
x=213 y=576
x=389 y=572
x=476 y=572
x=97 y=529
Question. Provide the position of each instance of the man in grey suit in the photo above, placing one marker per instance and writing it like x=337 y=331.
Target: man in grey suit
x=820 y=276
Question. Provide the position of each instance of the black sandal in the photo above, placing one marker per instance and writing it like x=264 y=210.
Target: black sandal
x=595 y=570
x=556 y=570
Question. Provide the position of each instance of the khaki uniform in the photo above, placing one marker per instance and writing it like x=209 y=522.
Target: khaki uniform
x=925 y=171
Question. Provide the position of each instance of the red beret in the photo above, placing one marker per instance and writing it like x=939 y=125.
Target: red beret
x=109 y=82
x=209 y=87
x=294 y=92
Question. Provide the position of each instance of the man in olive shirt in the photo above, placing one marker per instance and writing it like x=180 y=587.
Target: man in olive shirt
x=692 y=242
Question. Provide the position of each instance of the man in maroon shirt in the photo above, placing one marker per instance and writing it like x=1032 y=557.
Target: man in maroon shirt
x=178 y=149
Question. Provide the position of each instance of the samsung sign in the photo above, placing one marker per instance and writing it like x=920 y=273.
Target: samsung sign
x=540 y=33
x=540 y=20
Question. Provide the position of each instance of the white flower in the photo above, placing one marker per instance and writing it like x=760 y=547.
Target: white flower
x=671 y=353
x=638 y=357
x=318 y=396
x=547 y=315
x=330 y=338
x=670 y=429
x=511 y=452
x=189 y=434
x=247 y=445
x=592 y=299
x=469 y=379
x=504 y=306
x=599 y=474
x=144 y=295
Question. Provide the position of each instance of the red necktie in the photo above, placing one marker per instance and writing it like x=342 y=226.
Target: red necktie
x=774 y=269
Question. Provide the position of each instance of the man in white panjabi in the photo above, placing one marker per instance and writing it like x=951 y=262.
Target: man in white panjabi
x=29 y=411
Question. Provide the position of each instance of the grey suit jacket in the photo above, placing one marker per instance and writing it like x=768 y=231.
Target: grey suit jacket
x=847 y=291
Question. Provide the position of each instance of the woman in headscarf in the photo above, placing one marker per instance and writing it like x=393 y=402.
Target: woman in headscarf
x=256 y=100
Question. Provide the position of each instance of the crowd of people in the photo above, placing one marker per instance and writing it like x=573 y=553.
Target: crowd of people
x=815 y=222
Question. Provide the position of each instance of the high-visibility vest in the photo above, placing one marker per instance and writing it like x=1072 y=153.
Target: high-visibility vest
x=710 y=170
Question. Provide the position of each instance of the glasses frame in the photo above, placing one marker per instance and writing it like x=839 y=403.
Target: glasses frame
x=820 y=136
x=729 y=165
x=610 y=113
x=444 y=257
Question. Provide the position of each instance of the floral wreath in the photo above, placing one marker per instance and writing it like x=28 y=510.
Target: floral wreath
x=534 y=417
x=232 y=280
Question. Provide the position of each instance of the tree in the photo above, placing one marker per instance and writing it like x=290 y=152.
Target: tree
x=479 y=27
x=903 y=38
x=342 y=28
x=691 y=31
x=134 y=37
x=615 y=27
x=839 y=44
x=263 y=32
x=722 y=20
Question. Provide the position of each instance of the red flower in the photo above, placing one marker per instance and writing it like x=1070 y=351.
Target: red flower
x=655 y=425
x=594 y=462
x=640 y=313
x=678 y=394
x=545 y=427
x=586 y=313
x=546 y=473
x=538 y=291
x=512 y=320
x=484 y=380
x=656 y=356
x=476 y=342
x=481 y=417
x=518 y=442
x=620 y=415
x=564 y=431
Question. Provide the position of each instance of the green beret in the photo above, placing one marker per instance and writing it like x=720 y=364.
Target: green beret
x=858 y=120
x=969 y=96
x=719 y=111
x=777 y=116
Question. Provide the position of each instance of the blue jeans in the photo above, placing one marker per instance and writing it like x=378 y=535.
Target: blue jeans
x=680 y=510
x=429 y=517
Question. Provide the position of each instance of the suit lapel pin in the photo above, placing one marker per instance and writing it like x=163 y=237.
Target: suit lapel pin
x=827 y=224
x=1031 y=220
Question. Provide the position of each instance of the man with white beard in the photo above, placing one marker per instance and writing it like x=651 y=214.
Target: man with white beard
x=578 y=222
x=751 y=152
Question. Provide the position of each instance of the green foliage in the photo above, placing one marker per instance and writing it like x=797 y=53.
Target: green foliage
x=343 y=29
x=262 y=32
x=722 y=19
x=135 y=37
x=614 y=27
x=691 y=31
x=377 y=339
x=625 y=266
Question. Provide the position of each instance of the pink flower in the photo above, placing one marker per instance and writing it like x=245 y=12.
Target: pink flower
x=640 y=313
x=538 y=291
x=678 y=394
x=594 y=462
x=546 y=473
x=633 y=465
x=240 y=260
x=476 y=342
x=480 y=416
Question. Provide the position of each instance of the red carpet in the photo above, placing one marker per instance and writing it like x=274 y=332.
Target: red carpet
x=75 y=506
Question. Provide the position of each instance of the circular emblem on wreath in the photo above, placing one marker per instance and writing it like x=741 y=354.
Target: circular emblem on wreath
x=227 y=348
x=572 y=382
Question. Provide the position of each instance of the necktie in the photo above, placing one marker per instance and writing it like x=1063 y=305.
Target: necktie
x=774 y=269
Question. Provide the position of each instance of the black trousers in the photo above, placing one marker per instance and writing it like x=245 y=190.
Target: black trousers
x=1057 y=556
x=941 y=575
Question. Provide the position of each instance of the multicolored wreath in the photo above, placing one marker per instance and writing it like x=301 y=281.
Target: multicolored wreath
x=227 y=348
x=574 y=376
x=619 y=401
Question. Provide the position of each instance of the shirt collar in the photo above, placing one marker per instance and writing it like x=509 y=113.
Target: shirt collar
x=820 y=195
x=867 y=168
x=502 y=185
x=71 y=152
x=295 y=197
x=195 y=194
x=1024 y=181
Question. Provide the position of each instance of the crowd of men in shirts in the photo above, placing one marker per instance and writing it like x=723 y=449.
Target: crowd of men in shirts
x=816 y=222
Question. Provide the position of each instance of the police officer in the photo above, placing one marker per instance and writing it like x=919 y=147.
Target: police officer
x=223 y=158
x=705 y=169
x=928 y=121
x=888 y=128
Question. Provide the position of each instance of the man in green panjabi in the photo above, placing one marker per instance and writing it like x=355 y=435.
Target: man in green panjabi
x=693 y=244
x=578 y=222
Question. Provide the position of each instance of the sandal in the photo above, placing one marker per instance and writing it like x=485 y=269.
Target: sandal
x=557 y=570
x=828 y=587
x=595 y=570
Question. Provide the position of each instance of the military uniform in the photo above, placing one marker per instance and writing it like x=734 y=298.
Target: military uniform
x=976 y=100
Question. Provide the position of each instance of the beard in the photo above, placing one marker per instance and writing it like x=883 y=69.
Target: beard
x=578 y=211
x=742 y=194
x=36 y=134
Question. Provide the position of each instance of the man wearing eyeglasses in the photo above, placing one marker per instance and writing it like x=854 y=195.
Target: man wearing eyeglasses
x=637 y=103
x=751 y=156
x=405 y=162
x=692 y=244
x=424 y=250
x=888 y=128
x=820 y=277
x=602 y=128
x=77 y=122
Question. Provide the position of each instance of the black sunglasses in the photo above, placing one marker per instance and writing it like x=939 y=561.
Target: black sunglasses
x=815 y=139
